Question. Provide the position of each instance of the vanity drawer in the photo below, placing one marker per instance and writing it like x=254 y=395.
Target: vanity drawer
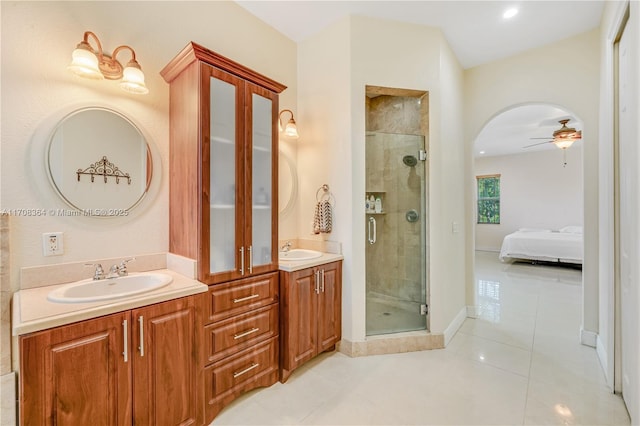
x=234 y=334
x=238 y=297
x=249 y=369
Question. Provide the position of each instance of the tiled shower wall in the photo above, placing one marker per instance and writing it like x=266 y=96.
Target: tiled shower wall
x=394 y=261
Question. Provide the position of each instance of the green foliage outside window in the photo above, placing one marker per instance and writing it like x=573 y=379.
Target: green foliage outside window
x=488 y=199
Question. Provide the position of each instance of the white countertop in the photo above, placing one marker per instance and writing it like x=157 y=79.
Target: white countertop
x=296 y=265
x=32 y=311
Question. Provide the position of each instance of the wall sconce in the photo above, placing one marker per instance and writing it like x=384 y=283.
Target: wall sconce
x=290 y=130
x=94 y=64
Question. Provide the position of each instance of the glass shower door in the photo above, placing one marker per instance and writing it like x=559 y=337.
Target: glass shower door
x=396 y=233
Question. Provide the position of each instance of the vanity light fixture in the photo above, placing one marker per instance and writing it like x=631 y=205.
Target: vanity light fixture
x=290 y=130
x=94 y=64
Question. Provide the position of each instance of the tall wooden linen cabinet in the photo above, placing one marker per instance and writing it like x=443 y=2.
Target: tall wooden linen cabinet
x=223 y=213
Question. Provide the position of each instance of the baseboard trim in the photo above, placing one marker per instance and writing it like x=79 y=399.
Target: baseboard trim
x=455 y=325
x=588 y=338
x=473 y=311
x=602 y=357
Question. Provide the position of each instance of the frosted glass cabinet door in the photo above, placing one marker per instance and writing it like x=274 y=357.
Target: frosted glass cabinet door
x=262 y=180
x=223 y=188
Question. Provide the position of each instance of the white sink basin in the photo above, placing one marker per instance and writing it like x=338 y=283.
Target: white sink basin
x=299 y=254
x=90 y=290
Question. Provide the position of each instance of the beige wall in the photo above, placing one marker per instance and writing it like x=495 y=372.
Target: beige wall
x=536 y=76
x=536 y=191
x=334 y=68
x=37 y=90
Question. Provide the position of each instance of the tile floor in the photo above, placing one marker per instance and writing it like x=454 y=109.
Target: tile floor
x=519 y=363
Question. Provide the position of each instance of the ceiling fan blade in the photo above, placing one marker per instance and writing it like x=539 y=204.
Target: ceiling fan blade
x=536 y=144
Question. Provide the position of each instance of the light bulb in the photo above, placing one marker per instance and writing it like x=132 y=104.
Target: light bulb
x=84 y=63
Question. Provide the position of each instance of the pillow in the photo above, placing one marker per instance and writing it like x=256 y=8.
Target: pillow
x=572 y=229
x=534 y=230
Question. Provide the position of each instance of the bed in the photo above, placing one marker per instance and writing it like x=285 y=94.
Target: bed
x=545 y=245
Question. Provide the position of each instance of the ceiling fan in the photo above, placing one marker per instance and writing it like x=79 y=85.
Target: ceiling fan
x=563 y=138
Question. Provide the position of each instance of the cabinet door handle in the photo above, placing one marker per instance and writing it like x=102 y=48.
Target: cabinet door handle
x=322 y=273
x=246 y=370
x=141 y=347
x=317 y=283
x=125 y=339
x=242 y=260
x=242 y=299
x=246 y=333
x=251 y=259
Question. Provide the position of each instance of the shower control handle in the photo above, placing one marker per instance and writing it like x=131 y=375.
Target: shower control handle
x=372 y=226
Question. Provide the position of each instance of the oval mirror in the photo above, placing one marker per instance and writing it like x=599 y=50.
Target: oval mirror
x=99 y=162
x=287 y=184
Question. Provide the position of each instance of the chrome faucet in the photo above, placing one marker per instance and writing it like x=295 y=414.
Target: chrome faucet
x=119 y=270
x=286 y=247
x=98 y=274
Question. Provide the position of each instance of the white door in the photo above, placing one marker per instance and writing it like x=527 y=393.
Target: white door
x=629 y=216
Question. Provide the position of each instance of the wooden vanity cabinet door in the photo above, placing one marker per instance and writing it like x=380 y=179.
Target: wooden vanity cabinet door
x=76 y=374
x=330 y=306
x=299 y=319
x=165 y=364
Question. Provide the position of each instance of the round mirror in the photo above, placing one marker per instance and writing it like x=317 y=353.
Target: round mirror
x=287 y=184
x=99 y=162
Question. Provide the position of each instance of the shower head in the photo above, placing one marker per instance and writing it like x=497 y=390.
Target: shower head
x=410 y=160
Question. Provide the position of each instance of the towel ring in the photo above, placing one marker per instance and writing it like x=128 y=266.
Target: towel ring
x=325 y=194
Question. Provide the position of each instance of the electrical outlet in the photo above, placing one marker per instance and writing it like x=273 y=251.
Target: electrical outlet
x=52 y=244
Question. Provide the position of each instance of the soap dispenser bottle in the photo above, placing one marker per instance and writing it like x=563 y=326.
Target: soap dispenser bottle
x=372 y=204
x=378 y=205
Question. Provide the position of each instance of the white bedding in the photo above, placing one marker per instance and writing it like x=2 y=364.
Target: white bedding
x=543 y=245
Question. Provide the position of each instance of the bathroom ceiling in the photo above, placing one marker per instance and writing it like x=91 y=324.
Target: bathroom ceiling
x=476 y=30
x=509 y=132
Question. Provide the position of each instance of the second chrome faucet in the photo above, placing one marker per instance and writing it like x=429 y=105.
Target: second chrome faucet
x=119 y=270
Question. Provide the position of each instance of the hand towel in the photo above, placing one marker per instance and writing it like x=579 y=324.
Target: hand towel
x=322 y=220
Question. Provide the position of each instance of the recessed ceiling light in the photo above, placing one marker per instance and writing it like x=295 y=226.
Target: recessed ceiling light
x=481 y=152
x=510 y=13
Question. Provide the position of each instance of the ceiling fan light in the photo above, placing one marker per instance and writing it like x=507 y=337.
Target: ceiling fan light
x=563 y=143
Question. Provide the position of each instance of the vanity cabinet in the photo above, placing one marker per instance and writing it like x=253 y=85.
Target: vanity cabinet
x=134 y=367
x=223 y=212
x=311 y=321
x=241 y=339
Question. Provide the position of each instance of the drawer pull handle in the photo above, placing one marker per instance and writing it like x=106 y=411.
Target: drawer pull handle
x=246 y=333
x=246 y=370
x=242 y=299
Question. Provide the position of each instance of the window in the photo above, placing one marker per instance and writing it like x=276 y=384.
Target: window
x=488 y=199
